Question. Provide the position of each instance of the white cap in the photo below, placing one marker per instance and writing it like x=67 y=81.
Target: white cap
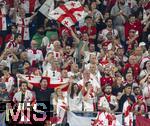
x=78 y=32
x=142 y=44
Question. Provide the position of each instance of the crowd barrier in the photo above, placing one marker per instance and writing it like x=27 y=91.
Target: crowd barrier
x=77 y=118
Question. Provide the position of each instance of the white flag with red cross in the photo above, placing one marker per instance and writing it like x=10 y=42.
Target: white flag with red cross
x=35 y=81
x=68 y=14
x=128 y=115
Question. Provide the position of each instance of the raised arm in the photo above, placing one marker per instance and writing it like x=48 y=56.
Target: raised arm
x=21 y=78
x=144 y=79
x=74 y=35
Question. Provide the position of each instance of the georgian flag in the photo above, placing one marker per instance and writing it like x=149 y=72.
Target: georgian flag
x=100 y=120
x=105 y=119
x=68 y=14
x=35 y=80
x=128 y=115
x=47 y=7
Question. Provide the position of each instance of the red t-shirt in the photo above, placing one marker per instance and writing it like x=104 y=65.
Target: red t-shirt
x=106 y=80
x=135 y=67
x=136 y=26
x=92 y=31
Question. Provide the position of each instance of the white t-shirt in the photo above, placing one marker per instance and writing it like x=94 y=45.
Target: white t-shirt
x=75 y=104
x=28 y=98
x=89 y=103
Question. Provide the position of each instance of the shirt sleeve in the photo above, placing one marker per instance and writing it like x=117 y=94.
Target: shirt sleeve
x=35 y=89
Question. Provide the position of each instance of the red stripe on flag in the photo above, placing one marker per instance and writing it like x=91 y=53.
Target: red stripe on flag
x=31 y=5
x=69 y=13
x=50 y=86
x=1 y=19
x=22 y=32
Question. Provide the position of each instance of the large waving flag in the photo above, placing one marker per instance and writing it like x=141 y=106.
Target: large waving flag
x=47 y=7
x=35 y=80
x=68 y=14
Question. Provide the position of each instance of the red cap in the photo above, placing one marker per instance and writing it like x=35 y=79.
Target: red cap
x=106 y=43
x=140 y=97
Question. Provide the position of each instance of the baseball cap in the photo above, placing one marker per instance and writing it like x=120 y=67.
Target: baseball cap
x=142 y=44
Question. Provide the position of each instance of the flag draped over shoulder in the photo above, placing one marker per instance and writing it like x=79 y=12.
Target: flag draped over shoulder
x=47 y=7
x=142 y=121
x=68 y=14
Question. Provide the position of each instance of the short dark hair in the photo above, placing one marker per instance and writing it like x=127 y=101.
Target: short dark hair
x=136 y=88
x=44 y=78
x=23 y=82
x=17 y=35
x=6 y=69
x=88 y=17
x=128 y=85
x=109 y=18
x=27 y=62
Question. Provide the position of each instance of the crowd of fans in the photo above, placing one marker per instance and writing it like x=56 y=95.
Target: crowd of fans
x=105 y=58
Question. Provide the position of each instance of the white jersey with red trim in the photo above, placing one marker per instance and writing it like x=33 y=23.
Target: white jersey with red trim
x=9 y=82
x=34 y=56
x=103 y=102
x=30 y=5
x=57 y=55
x=60 y=103
x=23 y=27
x=113 y=32
x=3 y=24
x=52 y=74
x=28 y=98
x=12 y=45
x=94 y=83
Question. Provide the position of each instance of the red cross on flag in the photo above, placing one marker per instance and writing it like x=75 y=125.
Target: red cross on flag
x=68 y=14
x=35 y=80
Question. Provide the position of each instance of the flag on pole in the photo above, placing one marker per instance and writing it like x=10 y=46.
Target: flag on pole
x=47 y=7
x=68 y=14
